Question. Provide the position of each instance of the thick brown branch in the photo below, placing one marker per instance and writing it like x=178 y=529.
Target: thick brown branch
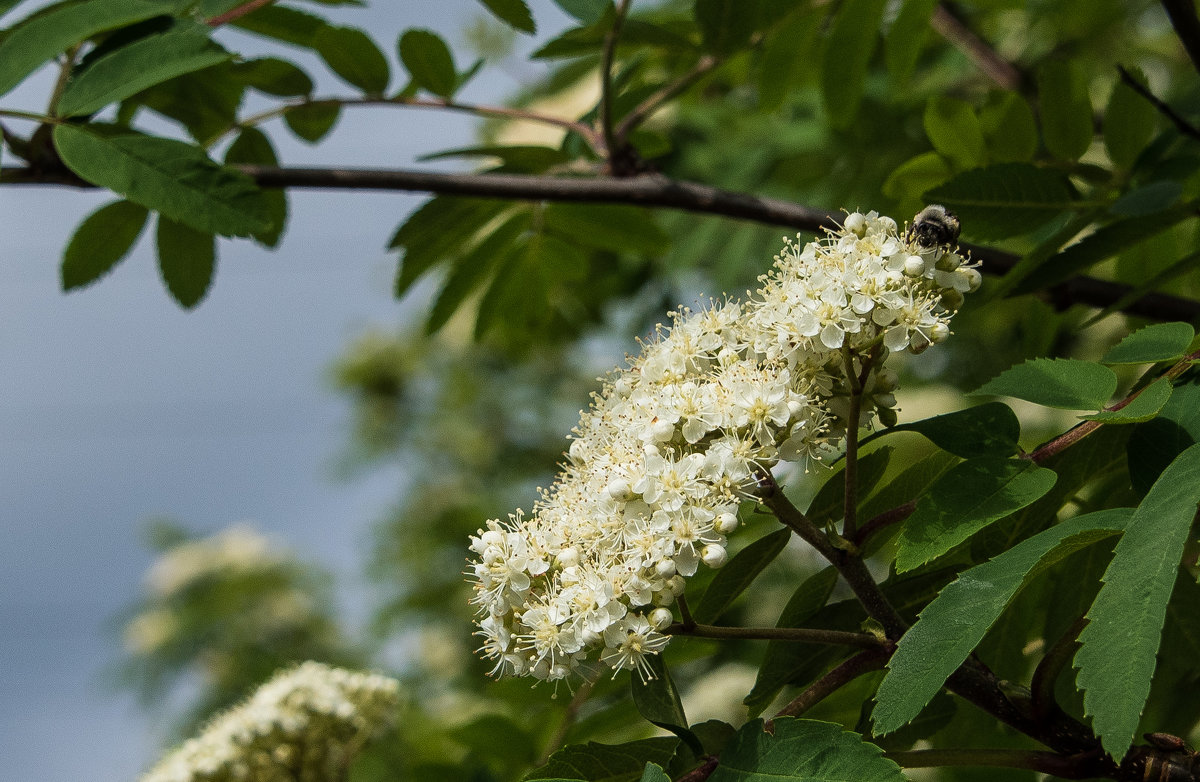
x=1183 y=18
x=646 y=190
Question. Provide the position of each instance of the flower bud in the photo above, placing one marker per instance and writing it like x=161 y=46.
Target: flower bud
x=665 y=568
x=618 y=489
x=726 y=523
x=974 y=279
x=676 y=585
x=568 y=557
x=661 y=618
x=855 y=224
x=939 y=333
x=714 y=556
x=914 y=266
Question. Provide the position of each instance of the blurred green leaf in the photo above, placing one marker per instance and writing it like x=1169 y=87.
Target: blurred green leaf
x=514 y=13
x=726 y=24
x=798 y=750
x=187 y=259
x=312 y=121
x=1006 y=199
x=785 y=60
x=274 y=76
x=100 y=242
x=846 y=56
x=586 y=11
x=903 y=44
x=1147 y=199
x=205 y=101
x=1129 y=122
x=615 y=227
x=173 y=178
x=954 y=131
x=738 y=574
x=830 y=502
x=252 y=147
x=184 y=48
x=1066 y=109
x=428 y=59
x=612 y=763
x=990 y=429
x=1009 y=129
x=283 y=24
x=912 y=178
x=657 y=699
x=470 y=270
x=351 y=54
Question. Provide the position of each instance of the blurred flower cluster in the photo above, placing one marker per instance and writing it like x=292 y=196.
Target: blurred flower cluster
x=673 y=444
x=304 y=725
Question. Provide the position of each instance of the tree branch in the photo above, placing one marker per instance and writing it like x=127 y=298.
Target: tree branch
x=848 y=671
x=1182 y=14
x=646 y=190
x=634 y=118
x=998 y=69
x=810 y=635
x=237 y=12
x=1181 y=124
x=1066 y=767
x=606 y=86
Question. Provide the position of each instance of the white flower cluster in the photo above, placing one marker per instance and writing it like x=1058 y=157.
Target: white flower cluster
x=672 y=445
x=304 y=725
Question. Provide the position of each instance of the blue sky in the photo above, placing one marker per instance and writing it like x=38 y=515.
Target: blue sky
x=116 y=406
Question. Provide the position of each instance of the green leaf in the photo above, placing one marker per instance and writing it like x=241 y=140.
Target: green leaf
x=428 y=59
x=1154 y=444
x=283 y=24
x=586 y=11
x=100 y=242
x=187 y=259
x=830 y=502
x=274 y=77
x=954 y=131
x=784 y=64
x=1158 y=342
x=31 y=43
x=990 y=429
x=498 y=737
x=966 y=499
x=658 y=701
x=252 y=147
x=1067 y=383
x=903 y=44
x=472 y=268
x=205 y=102
x=1129 y=122
x=1009 y=129
x=184 y=48
x=737 y=574
x=173 y=178
x=606 y=762
x=1143 y=407
x=1066 y=109
x=1148 y=199
x=351 y=54
x=312 y=121
x=1116 y=657
x=514 y=13
x=615 y=227
x=954 y=623
x=1103 y=243
x=802 y=751
x=1003 y=200
x=439 y=230
x=846 y=56
x=654 y=773
x=782 y=657
x=726 y=24
x=912 y=178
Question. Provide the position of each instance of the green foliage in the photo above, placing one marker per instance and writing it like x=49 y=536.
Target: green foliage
x=737 y=574
x=803 y=750
x=515 y=13
x=1067 y=383
x=352 y=55
x=966 y=499
x=100 y=242
x=847 y=53
x=187 y=259
x=594 y=761
x=1066 y=109
x=1159 y=342
x=657 y=700
x=1116 y=658
x=1005 y=199
x=990 y=429
x=429 y=61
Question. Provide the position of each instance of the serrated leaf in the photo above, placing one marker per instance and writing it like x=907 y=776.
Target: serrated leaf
x=1067 y=383
x=1155 y=444
x=658 y=701
x=437 y=231
x=514 y=13
x=737 y=574
x=29 y=44
x=283 y=24
x=966 y=499
x=428 y=60
x=187 y=259
x=205 y=101
x=101 y=241
x=352 y=55
x=615 y=227
x=990 y=429
x=274 y=76
x=1143 y=407
x=904 y=40
x=782 y=657
x=846 y=56
x=254 y=148
x=1103 y=243
x=312 y=121
x=654 y=773
x=1009 y=129
x=1154 y=343
x=1117 y=651
x=954 y=623
x=176 y=179
x=802 y=751
x=606 y=762
x=186 y=47
x=1005 y=199
x=1129 y=122
x=1066 y=109
x=954 y=131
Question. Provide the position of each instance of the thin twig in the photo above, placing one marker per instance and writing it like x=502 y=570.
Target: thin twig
x=998 y=69
x=606 y=85
x=885 y=519
x=237 y=12
x=1066 y=767
x=1182 y=14
x=1056 y=658
x=808 y=635
x=1184 y=127
x=665 y=93
x=568 y=720
x=840 y=676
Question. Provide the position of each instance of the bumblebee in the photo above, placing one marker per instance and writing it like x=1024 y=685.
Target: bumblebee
x=934 y=226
